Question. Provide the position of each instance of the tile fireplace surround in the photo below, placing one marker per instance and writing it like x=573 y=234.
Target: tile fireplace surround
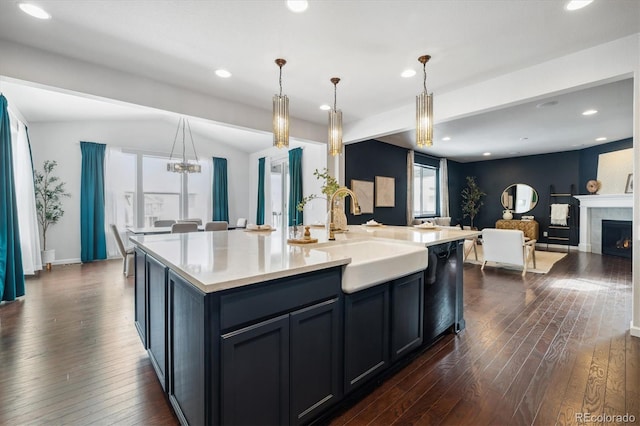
x=595 y=208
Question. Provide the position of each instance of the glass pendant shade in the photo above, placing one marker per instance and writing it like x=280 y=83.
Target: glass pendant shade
x=335 y=132
x=183 y=166
x=280 y=121
x=280 y=114
x=424 y=110
x=424 y=119
x=335 y=123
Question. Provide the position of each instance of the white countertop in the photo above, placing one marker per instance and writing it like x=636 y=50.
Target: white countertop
x=215 y=261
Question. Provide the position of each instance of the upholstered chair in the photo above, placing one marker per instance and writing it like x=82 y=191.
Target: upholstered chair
x=179 y=228
x=508 y=246
x=216 y=225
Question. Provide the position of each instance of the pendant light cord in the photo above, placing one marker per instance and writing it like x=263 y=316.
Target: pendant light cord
x=424 y=73
x=335 y=95
x=280 y=80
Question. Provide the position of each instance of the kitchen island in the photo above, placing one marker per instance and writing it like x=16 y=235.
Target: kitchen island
x=243 y=328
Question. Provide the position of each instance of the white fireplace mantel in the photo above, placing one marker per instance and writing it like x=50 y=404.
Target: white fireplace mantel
x=603 y=201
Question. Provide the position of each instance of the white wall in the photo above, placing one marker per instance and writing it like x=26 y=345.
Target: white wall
x=61 y=142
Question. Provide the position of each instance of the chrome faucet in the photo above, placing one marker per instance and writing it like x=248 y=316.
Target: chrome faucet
x=356 y=208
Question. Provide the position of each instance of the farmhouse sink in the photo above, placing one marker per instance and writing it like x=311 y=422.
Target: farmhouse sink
x=375 y=262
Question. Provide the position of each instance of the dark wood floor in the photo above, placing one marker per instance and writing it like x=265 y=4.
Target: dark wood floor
x=536 y=350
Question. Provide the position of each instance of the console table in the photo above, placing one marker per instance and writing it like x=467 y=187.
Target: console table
x=529 y=227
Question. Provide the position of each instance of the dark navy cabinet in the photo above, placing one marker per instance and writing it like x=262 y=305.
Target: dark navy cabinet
x=283 y=351
x=255 y=374
x=407 y=311
x=366 y=329
x=157 y=317
x=287 y=367
x=140 y=296
x=382 y=324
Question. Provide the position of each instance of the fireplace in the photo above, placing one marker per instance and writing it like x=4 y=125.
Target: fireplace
x=617 y=238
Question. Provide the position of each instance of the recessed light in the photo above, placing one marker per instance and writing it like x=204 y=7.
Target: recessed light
x=600 y=139
x=446 y=138
x=33 y=10
x=325 y=107
x=524 y=138
x=486 y=154
x=408 y=73
x=590 y=112
x=223 y=73
x=577 y=4
x=297 y=6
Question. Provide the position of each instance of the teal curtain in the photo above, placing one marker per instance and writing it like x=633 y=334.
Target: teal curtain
x=260 y=212
x=220 y=194
x=11 y=272
x=295 y=186
x=93 y=241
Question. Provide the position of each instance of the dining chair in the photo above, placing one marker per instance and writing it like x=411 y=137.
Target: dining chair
x=163 y=223
x=241 y=223
x=183 y=227
x=507 y=246
x=128 y=254
x=198 y=221
x=216 y=225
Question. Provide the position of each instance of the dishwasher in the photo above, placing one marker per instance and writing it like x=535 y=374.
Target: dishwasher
x=443 y=301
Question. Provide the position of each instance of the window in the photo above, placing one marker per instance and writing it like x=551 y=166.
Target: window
x=141 y=190
x=426 y=190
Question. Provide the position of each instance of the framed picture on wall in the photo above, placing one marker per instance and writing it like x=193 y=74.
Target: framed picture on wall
x=385 y=191
x=364 y=192
x=628 y=189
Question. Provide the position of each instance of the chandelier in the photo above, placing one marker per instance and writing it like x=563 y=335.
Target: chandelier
x=280 y=114
x=335 y=124
x=424 y=110
x=184 y=166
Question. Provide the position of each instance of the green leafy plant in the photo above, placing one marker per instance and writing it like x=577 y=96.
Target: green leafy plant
x=330 y=186
x=49 y=193
x=471 y=199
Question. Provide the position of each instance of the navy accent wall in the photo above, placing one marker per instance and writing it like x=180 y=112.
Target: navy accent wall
x=368 y=159
x=589 y=160
x=537 y=171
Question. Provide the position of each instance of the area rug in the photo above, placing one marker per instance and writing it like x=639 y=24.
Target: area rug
x=544 y=261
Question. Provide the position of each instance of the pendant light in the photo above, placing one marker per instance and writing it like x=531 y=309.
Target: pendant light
x=424 y=110
x=335 y=123
x=280 y=114
x=183 y=166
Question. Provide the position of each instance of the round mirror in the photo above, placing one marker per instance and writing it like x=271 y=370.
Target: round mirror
x=519 y=198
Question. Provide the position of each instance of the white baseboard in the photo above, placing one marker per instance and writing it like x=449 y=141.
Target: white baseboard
x=66 y=261
x=634 y=331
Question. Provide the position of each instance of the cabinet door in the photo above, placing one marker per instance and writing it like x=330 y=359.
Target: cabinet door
x=141 y=296
x=255 y=374
x=157 y=315
x=316 y=360
x=366 y=335
x=407 y=301
x=188 y=345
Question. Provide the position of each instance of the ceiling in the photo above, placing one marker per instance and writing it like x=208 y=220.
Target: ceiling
x=365 y=43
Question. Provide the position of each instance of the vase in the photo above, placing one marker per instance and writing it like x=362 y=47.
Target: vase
x=339 y=217
x=48 y=256
x=507 y=215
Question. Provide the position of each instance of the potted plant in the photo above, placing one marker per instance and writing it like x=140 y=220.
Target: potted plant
x=330 y=186
x=49 y=193
x=471 y=199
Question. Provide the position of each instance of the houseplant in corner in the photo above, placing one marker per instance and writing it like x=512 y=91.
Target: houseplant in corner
x=471 y=199
x=49 y=193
